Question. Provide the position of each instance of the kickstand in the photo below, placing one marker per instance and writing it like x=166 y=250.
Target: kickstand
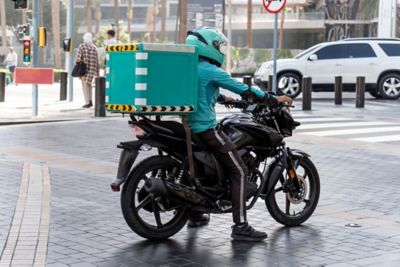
x=189 y=148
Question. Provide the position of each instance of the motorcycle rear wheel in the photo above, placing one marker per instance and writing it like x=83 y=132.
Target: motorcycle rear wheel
x=283 y=207
x=142 y=211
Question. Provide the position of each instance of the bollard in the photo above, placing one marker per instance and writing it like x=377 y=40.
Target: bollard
x=63 y=85
x=100 y=97
x=307 y=91
x=270 y=82
x=2 y=86
x=360 y=92
x=338 y=90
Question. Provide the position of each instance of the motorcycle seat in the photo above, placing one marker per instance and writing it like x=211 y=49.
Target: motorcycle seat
x=179 y=131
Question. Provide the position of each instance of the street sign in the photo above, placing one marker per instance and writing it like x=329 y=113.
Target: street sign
x=34 y=76
x=274 y=6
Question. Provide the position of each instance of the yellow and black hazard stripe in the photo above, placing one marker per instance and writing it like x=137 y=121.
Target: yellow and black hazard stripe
x=166 y=109
x=122 y=48
x=121 y=108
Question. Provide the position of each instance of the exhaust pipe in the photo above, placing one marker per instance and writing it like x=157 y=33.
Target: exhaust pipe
x=164 y=189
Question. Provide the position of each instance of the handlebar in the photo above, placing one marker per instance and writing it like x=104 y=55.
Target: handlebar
x=243 y=104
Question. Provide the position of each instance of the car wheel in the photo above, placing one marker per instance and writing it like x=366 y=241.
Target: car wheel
x=389 y=86
x=289 y=84
x=375 y=93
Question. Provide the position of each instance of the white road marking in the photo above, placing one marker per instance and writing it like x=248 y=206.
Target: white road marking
x=354 y=131
x=306 y=120
x=378 y=139
x=342 y=124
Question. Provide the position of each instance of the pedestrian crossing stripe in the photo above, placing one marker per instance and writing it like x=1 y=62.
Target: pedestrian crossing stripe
x=122 y=48
x=166 y=109
x=122 y=108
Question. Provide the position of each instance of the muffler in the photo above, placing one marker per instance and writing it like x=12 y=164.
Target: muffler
x=164 y=189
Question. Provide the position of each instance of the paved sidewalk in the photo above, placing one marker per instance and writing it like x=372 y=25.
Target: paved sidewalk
x=18 y=104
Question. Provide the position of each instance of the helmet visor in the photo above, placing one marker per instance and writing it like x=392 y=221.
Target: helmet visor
x=223 y=48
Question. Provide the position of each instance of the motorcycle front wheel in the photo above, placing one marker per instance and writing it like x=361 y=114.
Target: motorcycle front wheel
x=292 y=205
x=149 y=215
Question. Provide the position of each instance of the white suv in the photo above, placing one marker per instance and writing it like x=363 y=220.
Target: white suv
x=376 y=59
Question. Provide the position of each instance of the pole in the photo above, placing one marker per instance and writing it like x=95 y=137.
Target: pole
x=70 y=57
x=307 y=91
x=338 y=90
x=63 y=85
x=182 y=21
x=35 y=57
x=229 y=53
x=274 y=80
x=2 y=86
x=360 y=92
x=100 y=97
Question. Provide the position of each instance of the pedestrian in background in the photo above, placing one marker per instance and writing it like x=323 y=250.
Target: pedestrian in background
x=11 y=62
x=87 y=53
x=110 y=38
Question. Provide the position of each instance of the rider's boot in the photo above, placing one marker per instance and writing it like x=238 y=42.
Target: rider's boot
x=197 y=219
x=244 y=232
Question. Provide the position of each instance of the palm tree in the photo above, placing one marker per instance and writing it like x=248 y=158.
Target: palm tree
x=89 y=15
x=55 y=10
x=3 y=23
x=98 y=17
x=249 y=24
x=163 y=19
x=129 y=15
x=182 y=20
x=116 y=18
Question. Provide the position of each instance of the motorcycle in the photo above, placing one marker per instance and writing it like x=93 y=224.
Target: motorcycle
x=159 y=193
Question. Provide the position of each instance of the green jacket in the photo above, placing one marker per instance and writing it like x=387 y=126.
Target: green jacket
x=211 y=78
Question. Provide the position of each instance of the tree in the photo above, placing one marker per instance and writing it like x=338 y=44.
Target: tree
x=55 y=11
x=3 y=23
x=249 y=24
x=89 y=15
x=129 y=16
x=116 y=17
x=98 y=16
x=182 y=20
x=163 y=19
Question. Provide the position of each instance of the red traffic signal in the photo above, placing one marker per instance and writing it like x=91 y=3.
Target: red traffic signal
x=27 y=51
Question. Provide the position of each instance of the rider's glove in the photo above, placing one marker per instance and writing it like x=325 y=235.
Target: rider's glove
x=267 y=99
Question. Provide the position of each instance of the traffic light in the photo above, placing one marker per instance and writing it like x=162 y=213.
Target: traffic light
x=67 y=45
x=27 y=51
x=20 y=4
x=42 y=40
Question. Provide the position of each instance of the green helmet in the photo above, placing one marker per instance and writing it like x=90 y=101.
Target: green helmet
x=210 y=44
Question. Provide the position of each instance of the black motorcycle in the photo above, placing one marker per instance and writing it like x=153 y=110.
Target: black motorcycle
x=159 y=193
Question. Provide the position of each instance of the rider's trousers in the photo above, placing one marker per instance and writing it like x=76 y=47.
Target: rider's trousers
x=225 y=152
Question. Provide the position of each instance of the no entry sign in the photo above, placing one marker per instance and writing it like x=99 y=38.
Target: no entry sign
x=274 y=6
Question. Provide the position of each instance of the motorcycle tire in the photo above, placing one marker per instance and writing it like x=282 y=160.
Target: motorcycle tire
x=284 y=217
x=132 y=193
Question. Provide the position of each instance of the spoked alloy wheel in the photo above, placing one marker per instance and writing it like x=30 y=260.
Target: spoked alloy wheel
x=389 y=86
x=289 y=84
x=291 y=204
x=149 y=215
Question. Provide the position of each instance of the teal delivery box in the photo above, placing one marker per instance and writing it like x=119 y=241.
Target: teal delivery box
x=151 y=78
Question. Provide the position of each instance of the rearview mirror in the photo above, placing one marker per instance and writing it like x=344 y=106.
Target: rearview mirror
x=313 y=57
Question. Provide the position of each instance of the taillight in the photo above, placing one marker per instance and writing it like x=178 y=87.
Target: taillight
x=138 y=132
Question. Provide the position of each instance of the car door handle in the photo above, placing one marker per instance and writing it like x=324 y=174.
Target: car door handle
x=338 y=65
x=372 y=64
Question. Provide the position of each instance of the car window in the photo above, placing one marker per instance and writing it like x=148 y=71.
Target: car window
x=392 y=50
x=309 y=50
x=330 y=52
x=359 y=51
